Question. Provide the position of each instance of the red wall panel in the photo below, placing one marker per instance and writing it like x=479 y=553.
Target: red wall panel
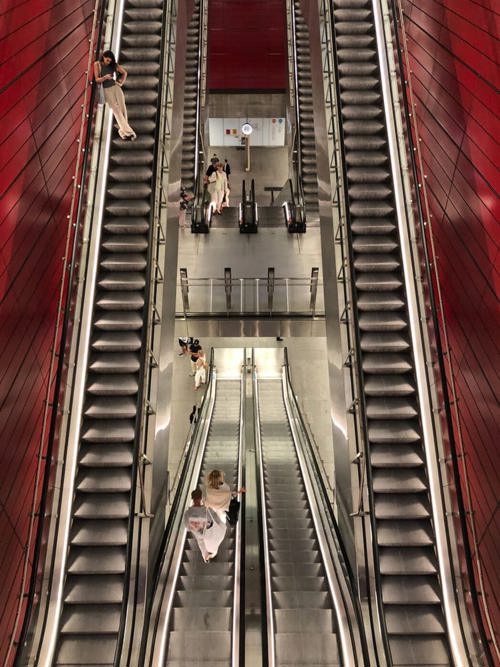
x=43 y=59
x=247 y=48
x=453 y=50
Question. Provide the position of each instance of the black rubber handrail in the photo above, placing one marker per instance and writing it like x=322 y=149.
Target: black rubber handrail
x=440 y=356
x=352 y=581
x=43 y=515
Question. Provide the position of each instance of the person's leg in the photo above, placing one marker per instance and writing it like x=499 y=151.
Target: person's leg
x=116 y=100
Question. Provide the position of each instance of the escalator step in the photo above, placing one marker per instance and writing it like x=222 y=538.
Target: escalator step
x=399 y=480
x=90 y=619
x=411 y=590
x=109 y=455
x=107 y=589
x=111 y=532
x=407 y=561
x=409 y=533
x=389 y=385
x=96 y=560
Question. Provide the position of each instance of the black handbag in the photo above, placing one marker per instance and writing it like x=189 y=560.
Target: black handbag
x=233 y=511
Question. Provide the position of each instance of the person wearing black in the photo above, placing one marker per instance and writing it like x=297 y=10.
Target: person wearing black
x=227 y=169
x=194 y=350
x=212 y=168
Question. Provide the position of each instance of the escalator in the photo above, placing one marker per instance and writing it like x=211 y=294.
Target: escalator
x=96 y=576
x=409 y=588
x=195 y=616
x=305 y=623
x=305 y=114
x=312 y=615
x=192 y=82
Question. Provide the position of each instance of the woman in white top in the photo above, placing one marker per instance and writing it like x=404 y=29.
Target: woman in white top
x=217 y=185
x=218 y=494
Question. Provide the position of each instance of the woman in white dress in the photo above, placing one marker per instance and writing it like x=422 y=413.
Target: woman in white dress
x=218 y=494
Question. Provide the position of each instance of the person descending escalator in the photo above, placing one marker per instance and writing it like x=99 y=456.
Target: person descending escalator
x=112 y=76
x=218 y=495
x=205 y=525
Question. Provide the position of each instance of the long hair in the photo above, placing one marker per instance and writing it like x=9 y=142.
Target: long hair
x=110 y=54
x=215 y=478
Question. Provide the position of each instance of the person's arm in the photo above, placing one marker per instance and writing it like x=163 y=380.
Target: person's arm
x=97 y=73
x=123 y=74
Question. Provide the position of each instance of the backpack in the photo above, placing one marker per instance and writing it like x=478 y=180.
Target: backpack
x=233 y=512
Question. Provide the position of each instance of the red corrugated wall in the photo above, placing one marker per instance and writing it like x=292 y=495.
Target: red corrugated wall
x=247 y=48
x=43 y=57
x=454 y=48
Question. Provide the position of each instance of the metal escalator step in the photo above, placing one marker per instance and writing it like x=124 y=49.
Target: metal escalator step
x=208 y=618
x=301 y=600
x=412 y=619
x=399 y=480
x=98 y=651
x=428 y=651
x=141 y=68
x=290 y=584
x=389 y=385
x=199 y=645
x=351 y=68
x=408 y=533
x=121 y=301
x=205 y=582
x=136 y=39
x=381 y=322
x=373 y=193
x=352 y=13
x=357 y=98
x=301 y=557
x=90 y=619
x=378 y=281
x=224 y=554
x=397 y=456
x=129 y=190
x=102 y=480
x=289 y=523
x=127 y=225
x=304 y=620
x=124 y=262
x=375 y=226
x=142 y=15
x=118 y=321
x=363 y=48
x=296 y=569
x=390 y=407
x=111 y=385
x=102 y=430
x=126 y=207
x=353 y=27
x=369 y=208
x=145 y=3
x=132 y=150
x=93 y=532
x=360 y=160
x=96 y=560
x=407 y=561
x=141 y=54
x=307 y=649
x=380 y=301
x=384 y=342
x=355 y=41
x=102 y=506
x=134 y=174
x=358 y=83
x=364 y=144
x=117 y=280
x=107 y=589
x=401 y=506
x=383 y=363
x=109 y=455
x=393 y=432
x=142 y=112
x=117 y=341
x=367 y=174
x=410 y=591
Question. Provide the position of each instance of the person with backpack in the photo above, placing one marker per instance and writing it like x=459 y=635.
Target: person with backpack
x=218 y=495
x=205 y=526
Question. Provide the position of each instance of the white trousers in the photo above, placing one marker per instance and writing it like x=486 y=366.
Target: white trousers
x=116 y=100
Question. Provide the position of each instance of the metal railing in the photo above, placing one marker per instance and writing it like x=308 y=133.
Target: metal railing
x=269 y=296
